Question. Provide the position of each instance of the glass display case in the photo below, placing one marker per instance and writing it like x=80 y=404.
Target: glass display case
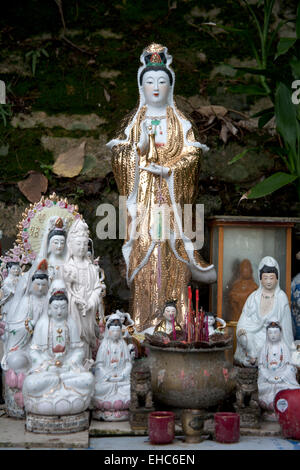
x=239 y=243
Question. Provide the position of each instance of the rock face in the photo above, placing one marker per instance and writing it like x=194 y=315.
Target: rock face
x=97 y=163
x=252 y=166
x=72 y=122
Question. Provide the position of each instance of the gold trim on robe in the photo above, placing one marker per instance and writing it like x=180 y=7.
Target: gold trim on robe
x=147 y=298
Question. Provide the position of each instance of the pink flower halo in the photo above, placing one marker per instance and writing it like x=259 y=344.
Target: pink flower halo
x=39 y=206
x=25 y=223
x=48 y=203
x=30 y=214
x=62 y=204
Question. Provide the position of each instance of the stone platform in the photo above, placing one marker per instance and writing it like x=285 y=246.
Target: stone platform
x=13 y=434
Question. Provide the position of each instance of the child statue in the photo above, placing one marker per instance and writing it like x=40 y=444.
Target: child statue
x=268 y=303
x=169 y=321
x=156 y=161
x=211 y=324
x=112 y=374
x=57 y=383
x=275 y=370
x=241 y=289
x=85 y=290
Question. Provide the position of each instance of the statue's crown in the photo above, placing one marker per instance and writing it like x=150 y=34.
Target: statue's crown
x=156 y=55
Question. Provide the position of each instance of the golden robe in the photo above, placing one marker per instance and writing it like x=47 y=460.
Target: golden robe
x=148 y=299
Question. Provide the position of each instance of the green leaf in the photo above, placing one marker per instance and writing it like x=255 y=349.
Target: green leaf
x=263 y=120
x=284 y=45
x=286 y=116
x=271 y=184
x=298 y=22
x=248 y=90
x=263 y=112
x=240 y=155
x=295 y=65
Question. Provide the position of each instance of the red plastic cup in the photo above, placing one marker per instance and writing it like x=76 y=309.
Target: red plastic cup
x=286 y=404
x=161 y=427
x=227 y=427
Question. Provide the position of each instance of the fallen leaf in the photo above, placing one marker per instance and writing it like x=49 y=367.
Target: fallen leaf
x=33 y=186
x=107 y=95
x=224 y=133
x=70 y=163
x=244 y=196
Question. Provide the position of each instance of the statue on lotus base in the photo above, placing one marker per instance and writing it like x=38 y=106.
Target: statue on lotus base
x=58 y=383
x=112 y=374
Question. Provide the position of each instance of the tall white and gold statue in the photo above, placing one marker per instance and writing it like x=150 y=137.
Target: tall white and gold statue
x=156 y=163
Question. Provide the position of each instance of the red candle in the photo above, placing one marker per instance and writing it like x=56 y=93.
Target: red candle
x=197 y=316
x=189 y=313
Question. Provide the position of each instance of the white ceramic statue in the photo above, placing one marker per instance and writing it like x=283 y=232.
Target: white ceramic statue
x=53 y=247
x=9 y=286
x=268 y=303
x=19 y=325
x=85 y=289
x=211 y=322
x=295 y=288
x=58 y=383
x=275 y=370
x=112 y=374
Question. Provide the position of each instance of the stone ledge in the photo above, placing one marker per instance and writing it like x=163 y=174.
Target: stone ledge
x=121 y=428
x=13 y=434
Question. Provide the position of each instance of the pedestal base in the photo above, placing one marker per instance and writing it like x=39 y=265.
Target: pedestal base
x=139 y=418
x=57 y=424
x=111 y=415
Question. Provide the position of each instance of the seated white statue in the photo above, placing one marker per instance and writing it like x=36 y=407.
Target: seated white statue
x=21 y=319
x=112 y=374
x=275 y=371
x=266 y=304
x=58 y=383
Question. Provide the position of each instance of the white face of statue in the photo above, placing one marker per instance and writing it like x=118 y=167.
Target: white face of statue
x=57 y=244
x=156 y=87
x=274 y=334
x=80 y=246
x=15 y=270
x=114 y=333
x=40 y=287
x=58 y=309
x=169 y=313
x=269 y=281
x=210 y=320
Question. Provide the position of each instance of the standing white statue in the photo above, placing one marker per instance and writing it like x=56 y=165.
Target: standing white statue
x=85 y=290
x=268 y=303
x=53 y=247
x=275 y=370
x=9 y=286
x=58 y=383
x=112 y=374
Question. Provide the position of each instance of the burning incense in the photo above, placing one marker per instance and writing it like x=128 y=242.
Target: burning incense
x=173 y=328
